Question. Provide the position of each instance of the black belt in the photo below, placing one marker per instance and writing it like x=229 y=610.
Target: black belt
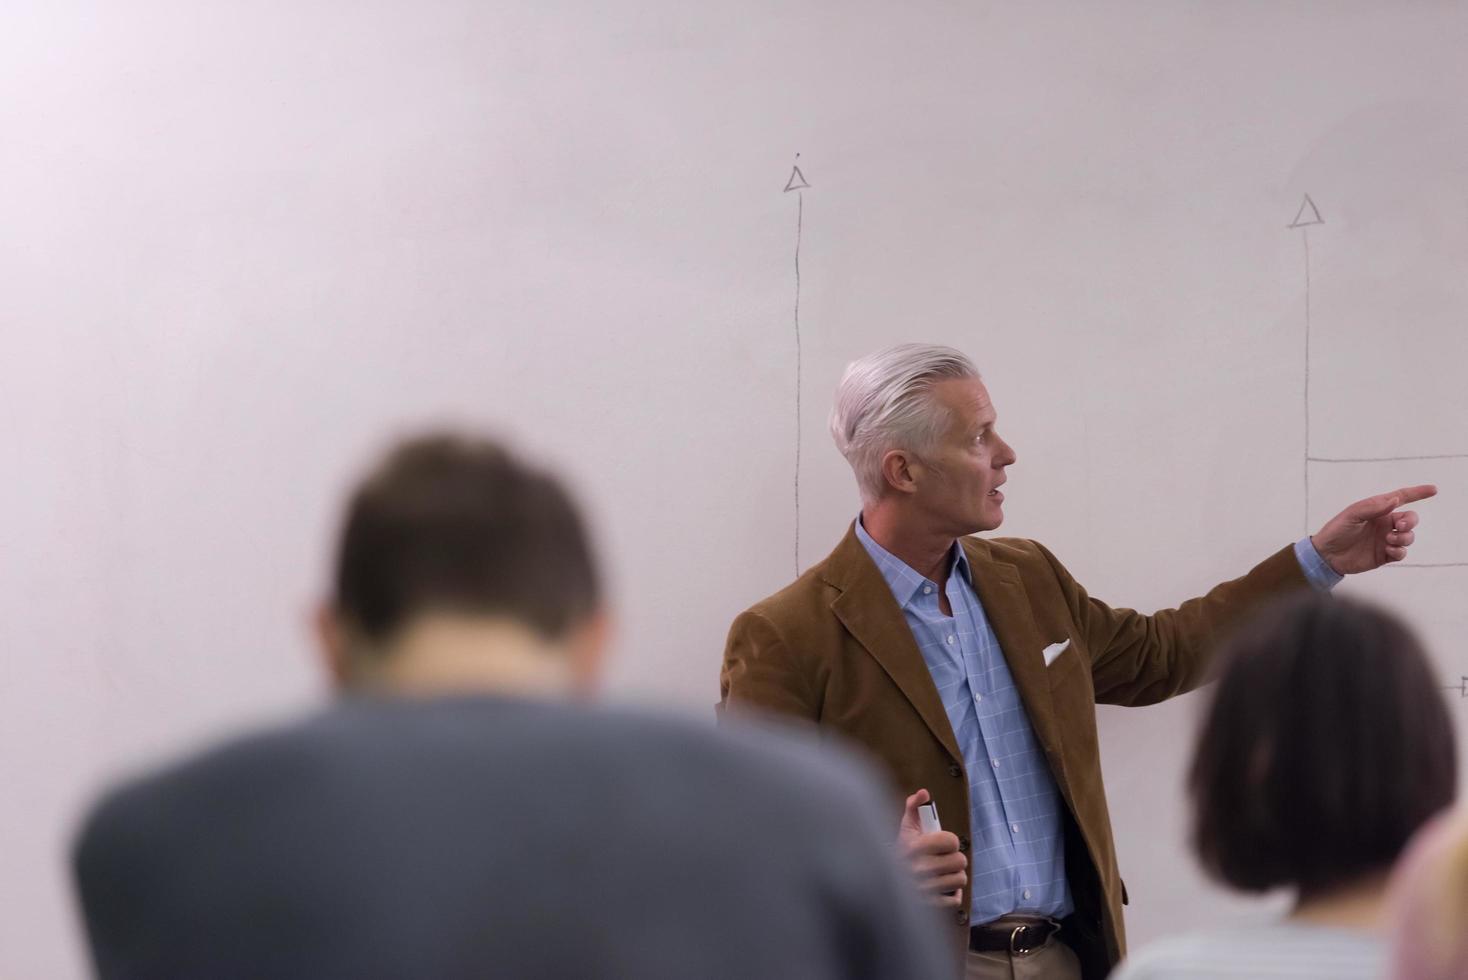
x=1012 y=936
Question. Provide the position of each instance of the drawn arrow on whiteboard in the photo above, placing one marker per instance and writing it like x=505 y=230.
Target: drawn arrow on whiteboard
x=1308 y=215
x=797 y=183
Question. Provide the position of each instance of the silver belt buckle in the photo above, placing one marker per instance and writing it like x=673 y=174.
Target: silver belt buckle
x=1014 y=947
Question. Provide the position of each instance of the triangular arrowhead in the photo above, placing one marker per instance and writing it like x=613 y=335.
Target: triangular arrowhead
x=1308 y=215
x=796 y=181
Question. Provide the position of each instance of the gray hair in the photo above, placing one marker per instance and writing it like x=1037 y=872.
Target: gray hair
x=885 y=402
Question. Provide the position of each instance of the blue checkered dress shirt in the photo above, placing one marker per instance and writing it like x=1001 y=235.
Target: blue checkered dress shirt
x=1017 y=858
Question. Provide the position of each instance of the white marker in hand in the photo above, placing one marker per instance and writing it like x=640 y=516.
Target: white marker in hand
x=928 y=818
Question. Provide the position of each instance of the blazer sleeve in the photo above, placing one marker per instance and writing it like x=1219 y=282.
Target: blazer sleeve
x=760 y=672
x=1138 y=659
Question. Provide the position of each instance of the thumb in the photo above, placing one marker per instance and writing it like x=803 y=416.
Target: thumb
x=910 y=821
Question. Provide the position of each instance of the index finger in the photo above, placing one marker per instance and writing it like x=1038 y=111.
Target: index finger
x=1384 y=503
x=1408 y=495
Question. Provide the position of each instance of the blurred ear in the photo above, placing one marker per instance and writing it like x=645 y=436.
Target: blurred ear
x=587 y=648
x=333 y=646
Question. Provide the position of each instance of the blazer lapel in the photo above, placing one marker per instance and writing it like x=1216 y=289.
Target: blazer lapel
x=1007 y=606
x=868 y=610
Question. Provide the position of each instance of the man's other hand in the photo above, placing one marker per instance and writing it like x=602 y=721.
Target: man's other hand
x=935 y=859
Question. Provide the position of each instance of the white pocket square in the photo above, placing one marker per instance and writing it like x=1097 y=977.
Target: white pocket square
x=1054 y=650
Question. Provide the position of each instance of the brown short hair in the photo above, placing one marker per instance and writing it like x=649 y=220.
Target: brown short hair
x=1327 y=744
x=449 y=522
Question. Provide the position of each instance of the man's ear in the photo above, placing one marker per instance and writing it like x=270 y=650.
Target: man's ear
x=333 y=645
x=587 y=648
x=897 y=470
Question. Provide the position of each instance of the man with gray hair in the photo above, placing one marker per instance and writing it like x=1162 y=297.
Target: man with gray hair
x=970 y=668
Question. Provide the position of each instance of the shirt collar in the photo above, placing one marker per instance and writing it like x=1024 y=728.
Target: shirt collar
x=905 y=583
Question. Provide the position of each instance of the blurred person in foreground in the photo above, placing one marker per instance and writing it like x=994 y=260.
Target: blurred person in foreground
x=455 y=814
x=1327 y=745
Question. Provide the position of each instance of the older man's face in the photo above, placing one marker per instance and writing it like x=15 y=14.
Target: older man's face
x=959 y=489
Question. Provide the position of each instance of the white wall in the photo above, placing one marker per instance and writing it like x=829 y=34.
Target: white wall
x=242 y=244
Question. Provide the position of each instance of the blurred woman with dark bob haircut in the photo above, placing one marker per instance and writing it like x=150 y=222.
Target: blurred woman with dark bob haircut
x=1326 y=745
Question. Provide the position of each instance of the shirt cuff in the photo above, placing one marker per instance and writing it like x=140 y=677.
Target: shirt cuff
x=1321 y=576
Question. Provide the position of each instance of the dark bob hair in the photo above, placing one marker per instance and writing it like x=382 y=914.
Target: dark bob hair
x=1327 y=744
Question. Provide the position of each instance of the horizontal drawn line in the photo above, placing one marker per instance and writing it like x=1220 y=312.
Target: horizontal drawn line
x=1382 y=459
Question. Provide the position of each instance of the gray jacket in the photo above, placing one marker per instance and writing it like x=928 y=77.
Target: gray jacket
x=484 y=837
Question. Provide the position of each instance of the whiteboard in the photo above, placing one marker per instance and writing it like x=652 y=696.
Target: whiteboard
x=243 y=246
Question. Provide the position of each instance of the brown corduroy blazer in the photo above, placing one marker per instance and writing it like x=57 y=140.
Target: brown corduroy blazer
x=833 y=648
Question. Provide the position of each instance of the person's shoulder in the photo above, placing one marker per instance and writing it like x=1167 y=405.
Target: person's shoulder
x=792 y=759
x=1180 y=956
x=810 y=589
x=756 y=763
x=155 y=803
x=800 y=604
x=608 y=753
x=1279 y=949
x=1024 y=553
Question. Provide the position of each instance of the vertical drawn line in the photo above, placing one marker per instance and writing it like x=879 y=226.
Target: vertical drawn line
x=1307 y=215
x=799 y=230
x=1305 y=235
x=797 y=183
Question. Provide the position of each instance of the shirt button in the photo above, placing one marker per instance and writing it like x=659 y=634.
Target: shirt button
x=927 y=590
x=978 y=697
x=1025 y=894
x=995 y=762
x=1015 y=827
x=950 y=640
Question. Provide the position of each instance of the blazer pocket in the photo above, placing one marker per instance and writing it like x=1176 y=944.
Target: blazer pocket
x=1068 y=669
